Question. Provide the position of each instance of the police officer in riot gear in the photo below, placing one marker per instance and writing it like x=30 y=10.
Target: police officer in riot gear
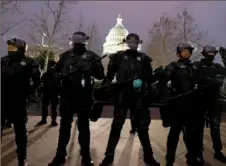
x=125 y=65
x=76 y=96
x=208 y=105
x=50 y=94
x=181 y=75
x=17 y=70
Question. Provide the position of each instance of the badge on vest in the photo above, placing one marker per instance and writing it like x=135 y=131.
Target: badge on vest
x=23 y=63
x=126 y=57
x=84 y=56
x=138 y=58
x=182 y=66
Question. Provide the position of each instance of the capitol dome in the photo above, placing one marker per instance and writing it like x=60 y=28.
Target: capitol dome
x=115 y=37
x=114 y=40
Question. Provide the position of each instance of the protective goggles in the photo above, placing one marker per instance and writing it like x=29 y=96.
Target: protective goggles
x=12 y=48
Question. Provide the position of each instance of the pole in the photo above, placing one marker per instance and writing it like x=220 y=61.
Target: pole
x=43 y=40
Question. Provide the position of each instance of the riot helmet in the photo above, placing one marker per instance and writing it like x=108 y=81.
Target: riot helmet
x=79 y=40
x=79 y=37
x=209 y=52
x=184 y=50
x=16 y=46
x=132 y=40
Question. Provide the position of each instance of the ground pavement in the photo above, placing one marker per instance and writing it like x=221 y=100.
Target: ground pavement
x=43 y=141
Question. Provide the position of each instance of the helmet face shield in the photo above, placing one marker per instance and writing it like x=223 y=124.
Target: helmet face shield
x=132 y=43
x=184 y=46
x=12 y=48
x=210 y=49
x=79 y=37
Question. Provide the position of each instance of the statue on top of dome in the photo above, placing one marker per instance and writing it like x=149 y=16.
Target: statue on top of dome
x=119 y=20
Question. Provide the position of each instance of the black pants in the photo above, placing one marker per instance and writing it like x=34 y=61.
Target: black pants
x=190 y=140
x=46 y=100
x=213 y=118
x=183 y=121
x=67 y=110
x=8 y=121
x=132 y=119
x=142 y=121
x=17 y=114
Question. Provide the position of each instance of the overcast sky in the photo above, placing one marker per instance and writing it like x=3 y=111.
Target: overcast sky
x=138 y=16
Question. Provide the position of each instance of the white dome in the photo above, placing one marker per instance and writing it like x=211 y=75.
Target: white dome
x=115 y=37
x=118 y=29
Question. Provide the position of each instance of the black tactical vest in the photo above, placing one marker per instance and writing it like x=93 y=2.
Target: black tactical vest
x=130 y=66
x=182 y=77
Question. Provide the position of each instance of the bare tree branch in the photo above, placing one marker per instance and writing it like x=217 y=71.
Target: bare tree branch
x=51 y=21
x=91 y=30
x=9 y=28
x=167 y=33
x=188 y=30
x=162 y=34
x=9 y=7
x=12 y=6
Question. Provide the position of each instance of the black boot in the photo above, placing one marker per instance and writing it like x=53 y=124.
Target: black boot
x=196 y=162
x=22 y=163
x=57 y=161
x=168 y=164
x=220 y=156
x=42 y=122
x=132 y=131
x=8 y=125
x=54 y=123
x=87 y=161
x=151 y=161
x=107 y=161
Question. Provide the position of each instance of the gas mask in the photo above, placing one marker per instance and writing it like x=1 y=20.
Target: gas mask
x=209 y=59
x=12 y=50
x=209 y=52
x=133 y=45
x=16 y=48
x=79 y=46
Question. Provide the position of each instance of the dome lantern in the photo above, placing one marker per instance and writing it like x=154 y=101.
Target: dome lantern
x=119 y=20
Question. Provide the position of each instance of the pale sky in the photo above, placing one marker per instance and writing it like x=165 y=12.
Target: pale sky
x=138 y=16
